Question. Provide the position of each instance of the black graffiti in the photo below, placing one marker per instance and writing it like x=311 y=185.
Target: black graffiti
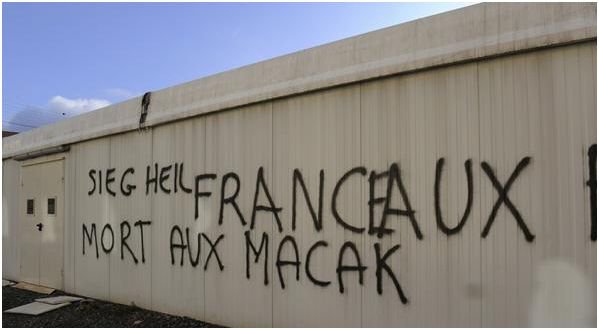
x=213 y=251
x=192 y=261
x=184 y=244
x=260 y=182
x=317 y=218
x=104 y=248
x=124 y=238
x=97 y=183
x=159 y=178
x=89 y=234
x=141 y=225
x=257 y=252
x=231 y=199
x=439 y=216
x=181 y=242
x=109 y=180
x=169 y=181
x=126 y=190
x=181 y=245
x=308 y=258
x=175 y=186
x=393 y=175
x=381 y=264
x=341 y=267
x=151 y=179
x=199 y=193
x=179 y=174
x=164 y=175
x=107 y=232
x=281 y=263
x=592 y=183
x=504 y=199
x=92 y=176
x=356 y=170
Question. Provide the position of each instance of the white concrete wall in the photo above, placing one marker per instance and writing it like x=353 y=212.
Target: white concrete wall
x=11 y=187
x=539 y=104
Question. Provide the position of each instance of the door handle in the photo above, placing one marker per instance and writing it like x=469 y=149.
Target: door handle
x=39 y=226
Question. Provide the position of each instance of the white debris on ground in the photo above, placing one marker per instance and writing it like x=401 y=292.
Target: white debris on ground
x=34 y=288
x=35 y=308
x=40 y=305
x=58 y=300
x=7 y=282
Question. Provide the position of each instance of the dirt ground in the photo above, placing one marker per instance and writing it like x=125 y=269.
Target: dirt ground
x=88 y=313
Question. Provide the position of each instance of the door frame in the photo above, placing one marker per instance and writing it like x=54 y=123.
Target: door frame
x=37 y=161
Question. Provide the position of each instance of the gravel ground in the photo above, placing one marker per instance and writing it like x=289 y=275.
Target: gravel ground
x=88 y=313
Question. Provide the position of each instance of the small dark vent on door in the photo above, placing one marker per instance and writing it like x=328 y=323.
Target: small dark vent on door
x=30 y=206
x=51 y=206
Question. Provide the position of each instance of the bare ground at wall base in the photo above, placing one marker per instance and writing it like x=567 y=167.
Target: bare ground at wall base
x=88 y=313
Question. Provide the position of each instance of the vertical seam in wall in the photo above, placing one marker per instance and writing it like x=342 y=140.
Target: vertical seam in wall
x=151 y=218
x=204 y=162
x=74 y=250
x=480 y=256
x=19 y=249
x=107 y=212
x=64 y=228
x=272 y=225
x=583 y=134
x=531 y=194
x=361 y=194
x=39 y=247
x=73 y=221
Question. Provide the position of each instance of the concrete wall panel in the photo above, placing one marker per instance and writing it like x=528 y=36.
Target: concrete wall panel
x=11 y=187
x=91 y=270
x=130 y=263
x=531 y=105
x=312 y=133
x=402 y=124
x=70 y=244
x=238 y=142
x=178 y=289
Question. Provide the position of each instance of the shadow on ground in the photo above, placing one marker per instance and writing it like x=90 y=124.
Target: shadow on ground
x=88 y=313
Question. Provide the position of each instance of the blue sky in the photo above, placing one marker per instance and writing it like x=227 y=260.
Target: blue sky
x=60 y=60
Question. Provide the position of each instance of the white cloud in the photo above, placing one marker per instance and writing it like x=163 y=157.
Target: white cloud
x=121 y=93
x=58 y=108
x=72 y=107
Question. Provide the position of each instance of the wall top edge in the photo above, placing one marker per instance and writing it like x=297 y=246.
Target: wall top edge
x=470 y=33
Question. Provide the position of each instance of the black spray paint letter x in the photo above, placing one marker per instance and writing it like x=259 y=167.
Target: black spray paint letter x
x=503 y=198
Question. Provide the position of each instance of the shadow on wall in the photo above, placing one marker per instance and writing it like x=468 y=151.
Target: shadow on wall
x=562 y=297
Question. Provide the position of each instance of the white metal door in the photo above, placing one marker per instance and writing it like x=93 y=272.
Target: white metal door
x=42 y=207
